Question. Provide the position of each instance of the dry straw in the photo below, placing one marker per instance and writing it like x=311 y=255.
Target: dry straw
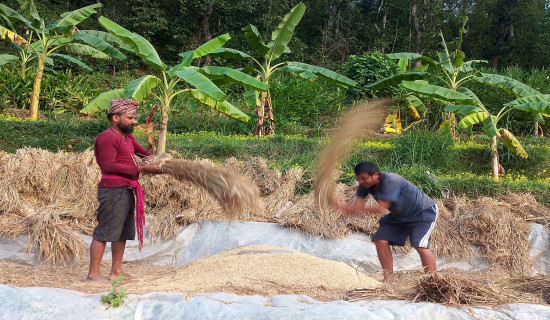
x=454 y=287
x=353 y=126
x=234 y=193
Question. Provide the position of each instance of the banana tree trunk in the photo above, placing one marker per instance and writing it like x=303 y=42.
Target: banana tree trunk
x=35 y=96
x=270 y=130
x=260 y=114
x=494 y=158
x=454 y=126
x=161 y=144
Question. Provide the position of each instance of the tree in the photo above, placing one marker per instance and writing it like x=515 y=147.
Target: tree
x=266 y=66
x=164 y=89
x=477 y=113
x=450 y=71
x=59 y=35
x=449 y=90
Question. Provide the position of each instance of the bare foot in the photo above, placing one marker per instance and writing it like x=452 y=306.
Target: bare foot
x=124 y=274
x=99 y=279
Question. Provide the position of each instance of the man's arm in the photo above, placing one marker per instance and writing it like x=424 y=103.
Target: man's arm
x=358 y=207
x=139 y=150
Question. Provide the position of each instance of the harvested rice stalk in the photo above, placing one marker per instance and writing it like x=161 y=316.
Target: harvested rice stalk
x=234 y=193
x=458 y=288
x=267 y=180
x=501 y=236
x=526 y=206
x=352 y=127
x=447 y=241
x=276 y=201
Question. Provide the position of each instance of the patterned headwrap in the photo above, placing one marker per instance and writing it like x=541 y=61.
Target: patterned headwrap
x=123 y=105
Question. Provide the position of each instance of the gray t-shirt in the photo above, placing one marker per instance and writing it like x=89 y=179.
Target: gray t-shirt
x=406 y=200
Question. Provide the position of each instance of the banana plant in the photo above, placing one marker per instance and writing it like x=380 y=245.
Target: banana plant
x=528 y=99
x=200 y=82
x=450 y=73
x=42 y=41
x=266 y=66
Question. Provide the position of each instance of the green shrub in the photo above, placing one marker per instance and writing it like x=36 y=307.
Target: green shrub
x=366 y=69
x=417 y=147
x=306 y=104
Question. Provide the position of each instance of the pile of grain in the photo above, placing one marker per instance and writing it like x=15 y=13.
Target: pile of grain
x=263 y=270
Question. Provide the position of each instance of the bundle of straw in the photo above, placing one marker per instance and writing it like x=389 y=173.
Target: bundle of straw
x=233 y=192
x=353 y=125
x=458 y=288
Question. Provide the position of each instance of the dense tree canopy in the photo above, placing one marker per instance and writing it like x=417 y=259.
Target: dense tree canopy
x=504 y=32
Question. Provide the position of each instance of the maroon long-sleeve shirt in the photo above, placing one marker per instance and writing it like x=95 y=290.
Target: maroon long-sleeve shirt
x=114 y=154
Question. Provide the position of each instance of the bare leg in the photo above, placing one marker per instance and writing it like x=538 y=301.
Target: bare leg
x=118 y=251
x=386 y=258
x=428 y=259
x=96 y=253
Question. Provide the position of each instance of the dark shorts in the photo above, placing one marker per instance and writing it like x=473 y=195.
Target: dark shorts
x=115 y=215
x=418 y=231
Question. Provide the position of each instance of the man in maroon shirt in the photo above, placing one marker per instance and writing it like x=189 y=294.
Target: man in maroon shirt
x=115 y=150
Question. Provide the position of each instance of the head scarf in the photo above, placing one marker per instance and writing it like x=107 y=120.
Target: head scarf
x=122 y=105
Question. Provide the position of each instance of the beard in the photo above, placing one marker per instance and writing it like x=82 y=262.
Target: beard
x=126 y=129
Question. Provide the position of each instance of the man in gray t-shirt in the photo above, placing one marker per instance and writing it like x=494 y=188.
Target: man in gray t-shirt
x=412 y=214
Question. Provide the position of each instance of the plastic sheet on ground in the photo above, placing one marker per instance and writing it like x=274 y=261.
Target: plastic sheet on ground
x=49 y=303
x=207 y=238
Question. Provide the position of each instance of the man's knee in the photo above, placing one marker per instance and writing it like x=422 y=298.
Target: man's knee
x=422 y=250
x=381 y=242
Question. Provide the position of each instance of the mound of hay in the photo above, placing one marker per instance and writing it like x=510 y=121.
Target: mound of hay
x=526 y=207
x=501 y=236
x=50 y=197
x=455 y=287
x=263 y=270
x=267 y=180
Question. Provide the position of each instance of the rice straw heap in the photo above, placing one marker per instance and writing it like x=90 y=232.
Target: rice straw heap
x=492 y=287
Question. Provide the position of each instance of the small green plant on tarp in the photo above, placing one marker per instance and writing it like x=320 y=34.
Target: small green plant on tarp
x=116 y=297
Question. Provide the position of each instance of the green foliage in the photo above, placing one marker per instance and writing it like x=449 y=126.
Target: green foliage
x=61 y=91
x=417 y=147
x=368 y=68
x=116 y=297
x=310 y=105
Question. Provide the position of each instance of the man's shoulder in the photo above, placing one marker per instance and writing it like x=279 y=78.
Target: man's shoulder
x=390 y=177
x=107 y=135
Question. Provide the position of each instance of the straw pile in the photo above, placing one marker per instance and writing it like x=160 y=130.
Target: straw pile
x=262 y=270
x=304 y=215
x=496 y=230
x=454 y=287
x=48 y=196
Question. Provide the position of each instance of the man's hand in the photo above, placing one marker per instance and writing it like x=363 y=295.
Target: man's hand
x=150 y=168
x=336 y=203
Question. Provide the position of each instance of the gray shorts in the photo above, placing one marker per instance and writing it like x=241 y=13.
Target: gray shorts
x=115 y=215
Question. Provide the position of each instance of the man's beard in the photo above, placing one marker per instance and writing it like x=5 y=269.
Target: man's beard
x=126 y=129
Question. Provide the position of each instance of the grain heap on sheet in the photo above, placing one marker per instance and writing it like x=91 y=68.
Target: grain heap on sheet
x=262 y=270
